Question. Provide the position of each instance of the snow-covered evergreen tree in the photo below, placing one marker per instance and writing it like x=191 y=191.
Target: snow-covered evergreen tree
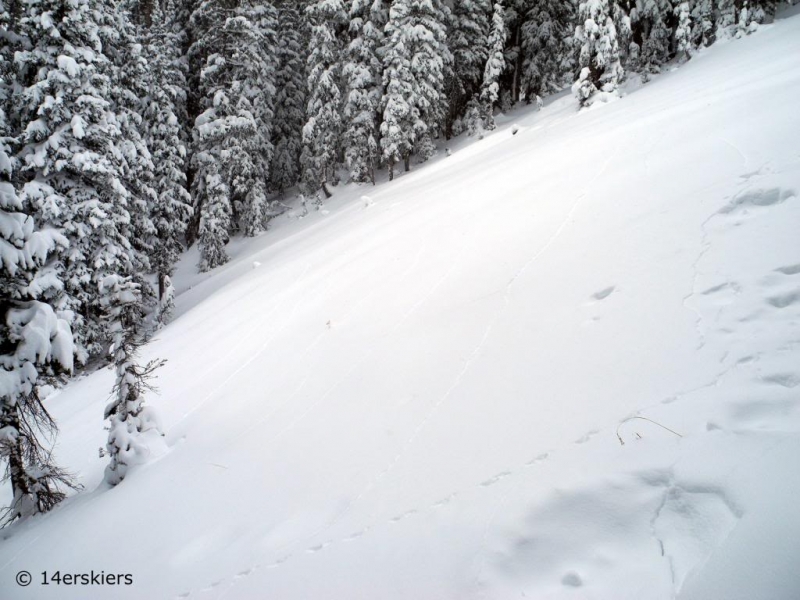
x=215 y=208
x=363 y=71
x=248 y=144
x=514 y=12
x=652 y=18
x=34 y=340
x=760 y=11
x=702 y=23
x=128 y=417
x=600 y=68
x=131 y=76
x=414 y=65
x=232 y=136
x=490 y=89
x=76 y=164
x=683 y=30
x=726 y=18
x=468 y=42
x=290 y=99
x=547 y=47
x=164 y=112
x=323 y=129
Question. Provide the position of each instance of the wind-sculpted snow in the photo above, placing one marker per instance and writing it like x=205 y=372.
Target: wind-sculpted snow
x=558 y=364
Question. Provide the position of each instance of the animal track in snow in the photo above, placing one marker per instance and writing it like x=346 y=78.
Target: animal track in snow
x=604 y=293
x=789 y=269
x=445 y=501
x=318 y=547
x=571 y=579
x=354 y=536
x=542 y=457
x=213 y=585
x=405 y=515
x=689 y=525
x=492 y=480
x=587 y=436
x=760 y=414
x=756 y=199
x=278 y=562
x=728 y=285
x=784 y=300
x=787 y=380
x=244 y=573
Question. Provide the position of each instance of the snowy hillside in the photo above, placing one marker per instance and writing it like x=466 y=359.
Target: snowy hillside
x=422 y=394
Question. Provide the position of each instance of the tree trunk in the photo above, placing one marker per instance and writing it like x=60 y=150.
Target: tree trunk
x=517 y=63
x=162 y=285
x=14 y=455
x=325 y=190
x=407 y=162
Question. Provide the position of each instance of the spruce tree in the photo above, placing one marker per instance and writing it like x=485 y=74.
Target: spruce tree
x=363 y=71
x=34 y=340
x=600 y=68
x=232 y=145
x=414 y=65
x=702 y=23
x=164 y=112
x=656 y=34
x=490 y=90
x=75 y=161
x=323 y=129
x=683 y=31
x=127 y=416
x=468 y=42
x=726 y=18
x=290 y=99
x=546 y=47
x=249 y=145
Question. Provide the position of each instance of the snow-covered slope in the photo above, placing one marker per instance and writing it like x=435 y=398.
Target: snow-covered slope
x=422 y=394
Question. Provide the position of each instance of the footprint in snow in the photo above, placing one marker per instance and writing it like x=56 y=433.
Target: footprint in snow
x=789 y=269
x=244 y=573
x=538 y=459
x=354 y=536
x=757 y=198
x=787 y=380
x=405 y=515
x=728 y=285
x=589 y=435
x=571 y=579
x=784 y=300
x=278 y=562
x=212 y=586
x=604 y=293
x=492 y=480
x=445 y=501
x=315 y=549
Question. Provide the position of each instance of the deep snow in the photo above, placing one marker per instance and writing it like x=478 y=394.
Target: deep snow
x=419 y=394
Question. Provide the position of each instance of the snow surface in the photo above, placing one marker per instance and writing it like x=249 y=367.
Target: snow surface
x=420 y=395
